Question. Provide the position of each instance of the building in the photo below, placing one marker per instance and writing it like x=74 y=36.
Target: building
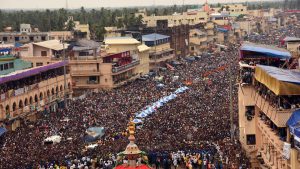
x=60 y=35
x=293 y=45
x=160 y=51
x=23 y=37
x=9 y=64
x=43 y=53
x=186 y=18
x=124 y=61
x=234 y=10
x=81 y=31
x=112 y=32
x=198 y=42
x=26 y=93
x=267 y=96
x=85 y=63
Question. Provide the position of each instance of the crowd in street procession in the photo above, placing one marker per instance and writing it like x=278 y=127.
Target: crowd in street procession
x=190 y=131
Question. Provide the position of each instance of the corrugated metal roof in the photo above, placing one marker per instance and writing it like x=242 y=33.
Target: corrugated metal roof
x=153 y=37
x=52 y=44
x=268 y=50
x=120 y=40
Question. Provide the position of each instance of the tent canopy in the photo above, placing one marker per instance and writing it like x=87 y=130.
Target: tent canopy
x=2 y=130
x=264 y=50
x=294 y=123
x=280 y=81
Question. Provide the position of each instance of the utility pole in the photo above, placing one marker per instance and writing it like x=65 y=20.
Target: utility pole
x=231 y=104
x=155 y=32
x=65 y=72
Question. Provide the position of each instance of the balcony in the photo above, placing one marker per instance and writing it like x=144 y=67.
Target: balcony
x=270 y=135
x=85 y=73
x=278 y=116
x=125 y=67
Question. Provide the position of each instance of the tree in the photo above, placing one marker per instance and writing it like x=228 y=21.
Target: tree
x=70 y=25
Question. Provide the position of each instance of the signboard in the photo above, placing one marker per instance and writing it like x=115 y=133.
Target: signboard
x=286 y=150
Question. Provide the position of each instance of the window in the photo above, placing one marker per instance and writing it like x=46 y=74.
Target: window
x=251 y=140
x=11 y=65
x=31 y=38
x=39 y=64
x=44 y=53
x=242 y=10
x=192 y=48
x=1 y=67
x=5 y=66
x=4 y=39
x=43 y=38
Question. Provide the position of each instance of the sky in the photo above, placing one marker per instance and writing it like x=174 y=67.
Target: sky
x=74 y=4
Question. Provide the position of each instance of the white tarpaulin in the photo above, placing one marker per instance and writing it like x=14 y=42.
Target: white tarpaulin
x=53 y=139
x=286 y=150
x=154 y=106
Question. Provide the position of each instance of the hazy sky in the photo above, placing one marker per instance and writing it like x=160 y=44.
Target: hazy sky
x=43 y=4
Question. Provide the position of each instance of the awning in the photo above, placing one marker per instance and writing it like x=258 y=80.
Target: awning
x=30 y=72
x=2 y=130
x=264 y=51
x=280 y=81
x=294 y=123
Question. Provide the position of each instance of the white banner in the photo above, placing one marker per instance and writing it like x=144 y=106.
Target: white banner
x=286 y=150
x=19 y=91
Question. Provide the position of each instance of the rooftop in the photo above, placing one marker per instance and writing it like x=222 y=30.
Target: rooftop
x=153 y=37
x=52 y=44
x=120 y=41
x=270 y=51
x=29 y=72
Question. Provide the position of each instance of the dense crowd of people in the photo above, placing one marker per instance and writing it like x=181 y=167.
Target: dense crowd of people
x=196 y=123
x=191 y=131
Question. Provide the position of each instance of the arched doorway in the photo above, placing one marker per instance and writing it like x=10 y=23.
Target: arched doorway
x=36 y=98
x=14 y=107
x=21 y=104
x=30 y=100
x=7 y=110
x=41 y=96
x=26 y=102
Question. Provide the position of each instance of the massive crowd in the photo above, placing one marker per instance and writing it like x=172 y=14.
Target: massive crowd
x=193 y=130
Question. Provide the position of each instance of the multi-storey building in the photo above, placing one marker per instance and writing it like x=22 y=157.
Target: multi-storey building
x=186 y=18
x=160 y=51
x=267 y=97
x=126 y=59
x=26 y=93
x=198 y=42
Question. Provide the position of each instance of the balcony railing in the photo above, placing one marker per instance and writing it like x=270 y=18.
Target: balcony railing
x=271 y=136
x=278 y=116
x=124 y=67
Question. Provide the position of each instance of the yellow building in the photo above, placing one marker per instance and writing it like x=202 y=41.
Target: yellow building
x=187 y=18
x=60 y=35
x=27 y=93
x=112 y=32
x=160 y=51
x=198 y=42
x=125 y=60
x=233 y=9
x=267 y=97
